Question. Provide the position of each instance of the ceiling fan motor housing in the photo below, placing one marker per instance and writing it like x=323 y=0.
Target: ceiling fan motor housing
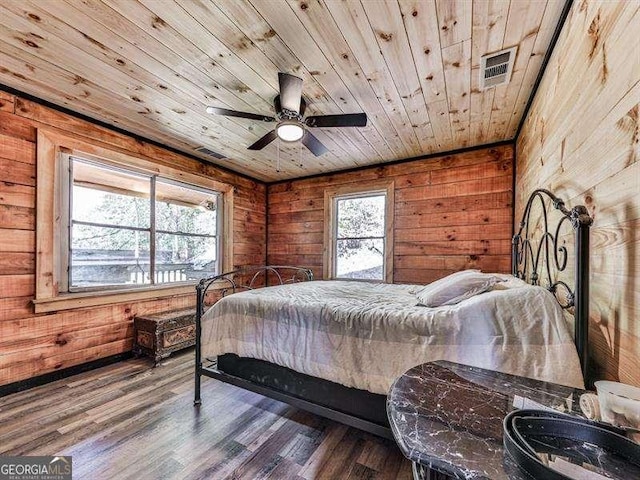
x=289 y=115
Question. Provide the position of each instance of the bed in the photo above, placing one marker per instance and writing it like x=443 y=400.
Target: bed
x=335 y=347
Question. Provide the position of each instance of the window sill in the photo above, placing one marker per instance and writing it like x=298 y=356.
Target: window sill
x=70 y=301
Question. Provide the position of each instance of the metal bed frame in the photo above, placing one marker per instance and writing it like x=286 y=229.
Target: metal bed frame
x=366 y=410
x=528 y=246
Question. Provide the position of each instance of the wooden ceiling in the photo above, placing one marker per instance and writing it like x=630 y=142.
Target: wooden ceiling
x=151 y=67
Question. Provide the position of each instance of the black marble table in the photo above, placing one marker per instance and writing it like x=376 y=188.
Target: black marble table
x=447 y=418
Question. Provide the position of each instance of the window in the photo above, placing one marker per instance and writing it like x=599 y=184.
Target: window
x=359 y=241
x=130 y=228
x=104 y=233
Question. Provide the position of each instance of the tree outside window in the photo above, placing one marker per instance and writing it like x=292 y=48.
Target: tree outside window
x=121 y=234
x=360 y=237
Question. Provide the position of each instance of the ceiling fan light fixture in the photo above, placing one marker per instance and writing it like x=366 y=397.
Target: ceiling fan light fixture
x=289 y=131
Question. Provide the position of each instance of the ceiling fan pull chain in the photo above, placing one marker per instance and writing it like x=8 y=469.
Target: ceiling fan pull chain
x=278 y=157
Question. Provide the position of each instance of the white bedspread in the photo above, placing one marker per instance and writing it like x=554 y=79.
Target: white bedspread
x=365 y=335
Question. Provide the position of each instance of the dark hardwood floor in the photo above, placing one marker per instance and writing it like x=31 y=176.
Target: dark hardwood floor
x=132 y=421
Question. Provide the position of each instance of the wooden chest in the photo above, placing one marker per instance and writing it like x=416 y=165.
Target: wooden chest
x=160 y=334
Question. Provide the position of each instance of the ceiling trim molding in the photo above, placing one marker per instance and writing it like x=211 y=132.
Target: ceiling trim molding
x=545 y=62
x=120 y=130
x=403 y=160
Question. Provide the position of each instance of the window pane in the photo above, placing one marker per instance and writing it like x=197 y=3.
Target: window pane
x=362 y=259
x=101 y=195
x=361 y=217
x=180 y=257
x=186 y=210
x=103 y=256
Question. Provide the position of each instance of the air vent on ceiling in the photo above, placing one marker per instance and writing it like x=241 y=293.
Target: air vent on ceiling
x=495 y=68
x=209 y=153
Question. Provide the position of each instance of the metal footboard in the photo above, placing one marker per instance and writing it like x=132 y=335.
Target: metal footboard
x=247 y=278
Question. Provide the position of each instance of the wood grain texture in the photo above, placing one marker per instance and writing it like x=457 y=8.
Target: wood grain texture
x=581 y=141
x=132 y=421
x=7 y=102
x=451 y=213
x=32 y=344
x=152 y=68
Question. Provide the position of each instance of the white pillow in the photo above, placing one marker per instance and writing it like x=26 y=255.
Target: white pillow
x=456 y=287
x=509 y=281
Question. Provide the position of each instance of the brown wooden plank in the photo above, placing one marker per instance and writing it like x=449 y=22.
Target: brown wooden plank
x=21 y=218
x=18 y=127
x=248 y=230
x=419 y=276
x=35 y=348
x=13 y=194
x=293 y=217
x=249 y=216
x=241 y=259
x=487 y=170
x=296 y=249
x=17 y=149
x=294 y=238
x=293 y=205
x=17 y=240
x=249 y=248
x=475 y=247
x=459 y=232
x=452 y=204
x=297 y=259
x=482 y=217
x=296 y=227
x=15 y=308
x=7 y=103
x=21 y=370
x=74 y=320
x=17 y=285
x=17 y=263
x=487 y=263
x=484 y=185
x=17 y=172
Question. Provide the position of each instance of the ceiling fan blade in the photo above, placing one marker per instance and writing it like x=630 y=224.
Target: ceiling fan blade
x=290 y=91
x=235 y=113
x=303 y=106
x=312 y=143
x=264 y=141
x=344 y=120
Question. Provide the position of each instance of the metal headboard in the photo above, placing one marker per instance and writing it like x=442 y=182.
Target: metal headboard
x=527 y=253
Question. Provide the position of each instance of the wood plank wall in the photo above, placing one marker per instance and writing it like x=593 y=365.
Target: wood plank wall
x=451 y=212
x=580 y=140
x=32 y=345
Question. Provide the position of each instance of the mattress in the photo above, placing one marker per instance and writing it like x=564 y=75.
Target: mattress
x=365 y=335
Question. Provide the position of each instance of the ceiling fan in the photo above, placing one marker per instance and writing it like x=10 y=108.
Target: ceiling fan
x=292 y=126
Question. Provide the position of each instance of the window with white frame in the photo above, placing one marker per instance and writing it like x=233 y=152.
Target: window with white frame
x=129 y=228
x=359 y=244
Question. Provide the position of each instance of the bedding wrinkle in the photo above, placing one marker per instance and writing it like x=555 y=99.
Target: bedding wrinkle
x=365 y=335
